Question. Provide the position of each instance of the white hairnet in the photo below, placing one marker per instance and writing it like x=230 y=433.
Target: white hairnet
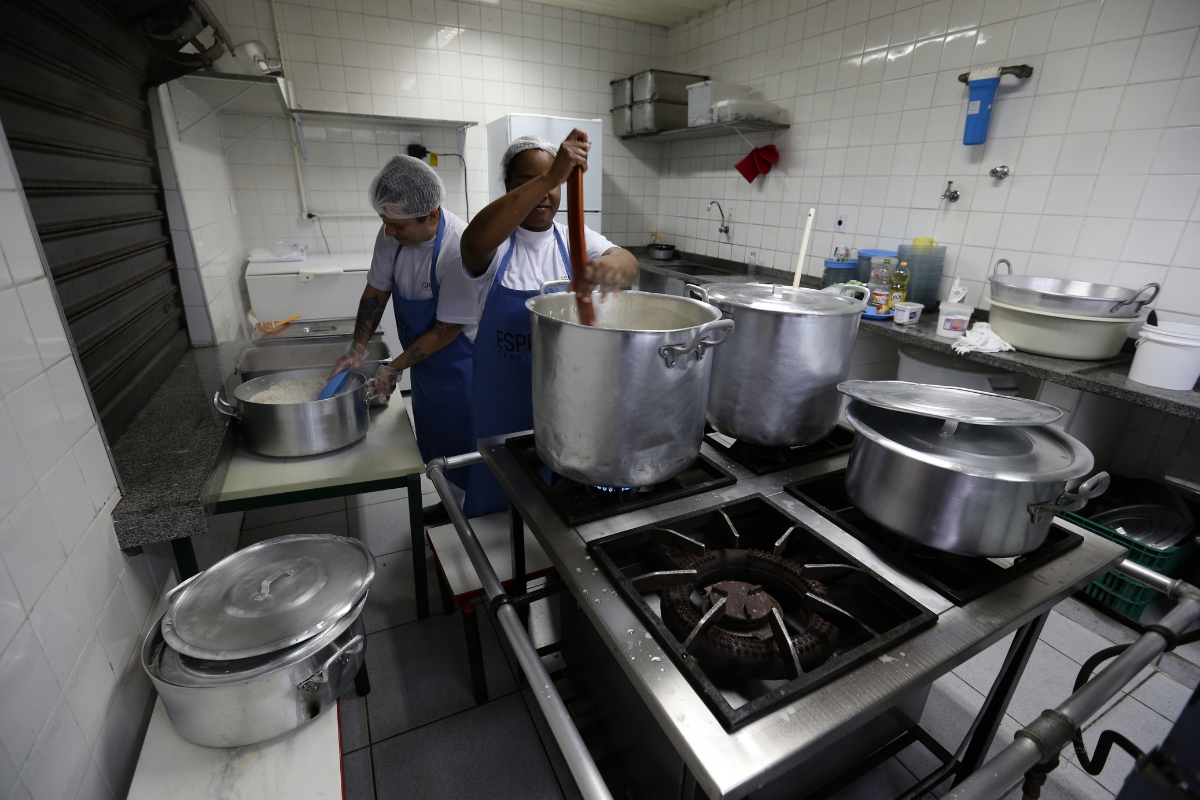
x=520 y=145
x=406 y=187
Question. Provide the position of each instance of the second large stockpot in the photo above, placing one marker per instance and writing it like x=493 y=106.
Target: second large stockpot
x=775 y=382
x=621 y=403
x=962 y=471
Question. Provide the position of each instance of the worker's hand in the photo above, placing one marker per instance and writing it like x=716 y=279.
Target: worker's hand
x=350 y=360
x=572 y=153
x=384 y=382
x=610 y=273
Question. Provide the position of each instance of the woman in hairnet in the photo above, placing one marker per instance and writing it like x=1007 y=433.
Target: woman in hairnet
x=417 y=262
x=510 y=249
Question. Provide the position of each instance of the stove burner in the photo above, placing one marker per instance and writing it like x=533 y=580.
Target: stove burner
x=757 y=623
x=762 y=459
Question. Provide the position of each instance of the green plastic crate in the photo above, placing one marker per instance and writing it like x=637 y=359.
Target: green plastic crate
x=1122 y=594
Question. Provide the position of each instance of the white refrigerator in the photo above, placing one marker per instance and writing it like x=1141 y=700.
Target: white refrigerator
x=506 y=128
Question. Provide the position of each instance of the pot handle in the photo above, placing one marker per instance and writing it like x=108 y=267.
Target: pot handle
x=551 y=285
x=1134 y=299
x=1005 y=262
x=671 y=353
x=350 y=648
x=223 y=407
x=177 y=588
x=849 y=290
x=692 y=288
x=1092 y=487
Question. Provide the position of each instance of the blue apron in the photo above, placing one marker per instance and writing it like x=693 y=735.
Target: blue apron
x=441 y=384
x=503 y=380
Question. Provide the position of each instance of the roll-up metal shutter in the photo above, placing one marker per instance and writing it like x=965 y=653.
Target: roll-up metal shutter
x=74 y=78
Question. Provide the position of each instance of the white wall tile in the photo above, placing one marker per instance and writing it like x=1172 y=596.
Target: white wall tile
x=60 y=758
x=61 y=620
x=42 y=315
x=16 y=240
x=29 y=693
x=39 y=426
x=1163 y=56
x=19 y=359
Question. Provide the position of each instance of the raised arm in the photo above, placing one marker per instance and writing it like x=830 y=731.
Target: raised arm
x=499 y=219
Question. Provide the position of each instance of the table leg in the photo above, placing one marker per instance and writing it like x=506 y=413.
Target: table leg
x=185 y=558
x=475 y=652
x=416 y=524
x=362 y=682
x=516 y=538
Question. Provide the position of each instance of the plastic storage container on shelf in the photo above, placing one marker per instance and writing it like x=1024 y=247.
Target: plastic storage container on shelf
x=925 y=266
x=622 y=92
x=657 y=115
x=660 y=84
x=1128 y=596
x=701 y=97
x=836 y=272
x=622 y=120
x=862 y=270
x=745 y=109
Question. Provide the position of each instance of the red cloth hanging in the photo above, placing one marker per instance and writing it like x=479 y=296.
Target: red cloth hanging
x=758 y=162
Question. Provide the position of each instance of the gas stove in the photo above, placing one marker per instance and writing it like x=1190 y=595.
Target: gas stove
x=753 y=606
x=762 y=460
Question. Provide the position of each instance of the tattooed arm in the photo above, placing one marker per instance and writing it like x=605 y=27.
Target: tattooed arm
x=428 y=343
x=370 y=312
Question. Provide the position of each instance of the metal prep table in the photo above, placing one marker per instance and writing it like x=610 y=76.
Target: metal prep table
x=731 y=765
x=387 y=458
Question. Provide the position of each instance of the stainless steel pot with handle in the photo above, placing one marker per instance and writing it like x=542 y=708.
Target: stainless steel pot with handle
x=1068 y=297
x=985 y=487
x=299 y=429
x=775 y=382
x=621 y=403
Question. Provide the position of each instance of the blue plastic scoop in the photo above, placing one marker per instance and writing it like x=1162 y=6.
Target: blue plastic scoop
x=334 y=385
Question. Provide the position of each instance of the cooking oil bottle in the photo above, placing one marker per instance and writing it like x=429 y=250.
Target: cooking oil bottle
x=900 y=278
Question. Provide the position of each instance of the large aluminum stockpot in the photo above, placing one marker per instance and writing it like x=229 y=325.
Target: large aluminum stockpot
x=988 y=490
x=775 y=382
x=1067 y=296
x=621 y=403
x=246 y=701
x=299 y=429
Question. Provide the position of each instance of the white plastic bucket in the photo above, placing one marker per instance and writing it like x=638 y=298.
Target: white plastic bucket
x=1166 y=361
x=1175 y=329
x=953 y=319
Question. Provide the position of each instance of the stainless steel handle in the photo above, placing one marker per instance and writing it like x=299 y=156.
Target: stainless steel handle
x=223 y=407
x=849 y=289
x=179 y=587
x=671 y=353
x=265 y=589
x=692 y=288
x=1092 y=487
x=1134 y=299
x=551 y=284
x=1005 y=262
x=350 y=648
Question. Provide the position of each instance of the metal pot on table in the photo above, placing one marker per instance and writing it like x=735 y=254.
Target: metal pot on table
x=262 y=642
x=960 y=470
x=775 y=382
x=299 y=429
x=621 y=403
x=1068 y=297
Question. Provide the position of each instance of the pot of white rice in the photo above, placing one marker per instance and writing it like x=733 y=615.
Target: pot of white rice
x=280 y=415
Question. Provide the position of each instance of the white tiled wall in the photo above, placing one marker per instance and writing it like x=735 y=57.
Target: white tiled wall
x=205 y=225
x=73 y=697
x=1103 y=141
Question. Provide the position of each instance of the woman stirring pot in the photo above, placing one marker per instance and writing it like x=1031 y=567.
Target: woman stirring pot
x=511 y=248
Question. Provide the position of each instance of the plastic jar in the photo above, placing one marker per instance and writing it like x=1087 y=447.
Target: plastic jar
x=953 y=319
x=1166 y=361
x=837 y=272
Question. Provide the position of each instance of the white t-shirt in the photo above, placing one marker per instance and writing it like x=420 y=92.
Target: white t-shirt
x=535 y=260
x=457 y=295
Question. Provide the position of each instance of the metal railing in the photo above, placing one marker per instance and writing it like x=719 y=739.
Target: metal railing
x=579 y=760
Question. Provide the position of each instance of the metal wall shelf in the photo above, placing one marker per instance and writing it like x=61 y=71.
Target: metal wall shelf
x=708 y=131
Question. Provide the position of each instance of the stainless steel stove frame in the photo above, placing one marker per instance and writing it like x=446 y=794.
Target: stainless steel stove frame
x=733 y=764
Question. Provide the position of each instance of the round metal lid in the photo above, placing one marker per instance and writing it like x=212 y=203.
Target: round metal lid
x=782 y=299
x=951 y=402
x=1035 y=453
x=1152 y=524
x=268 y=597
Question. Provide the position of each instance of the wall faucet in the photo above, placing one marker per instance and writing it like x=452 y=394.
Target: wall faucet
x=724 y=228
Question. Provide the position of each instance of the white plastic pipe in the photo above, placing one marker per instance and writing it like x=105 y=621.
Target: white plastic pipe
x=803 y=248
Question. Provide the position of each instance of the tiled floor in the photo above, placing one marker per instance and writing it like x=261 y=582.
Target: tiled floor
x=420 y=734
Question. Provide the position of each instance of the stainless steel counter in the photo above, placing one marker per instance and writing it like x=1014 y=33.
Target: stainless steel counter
x=730 y=765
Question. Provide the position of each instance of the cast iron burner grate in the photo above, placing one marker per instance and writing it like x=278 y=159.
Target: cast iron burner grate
x=578 y=503
x=763 y=460
x=754 y=607
x=960 y=579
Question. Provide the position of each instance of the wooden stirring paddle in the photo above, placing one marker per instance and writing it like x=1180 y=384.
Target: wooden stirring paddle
x=578 y=246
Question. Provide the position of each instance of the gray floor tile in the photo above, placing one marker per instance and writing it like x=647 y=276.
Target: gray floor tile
x=419 y=673
x=1142 y=726
x=370 y=498
x=887 y=780
x=1180 y=669
x=488 y=752
x=1094 y=621
x=382 y=527
x=392 y=600
x=352 y=716
x=258 y=517
x=324 y=523
x=981 y=670
x=1048 y=680
x=952 y=704
x=1072 y=639
x=358 y=779
x=559 y=764
x=1163 y=695
x=1068 y=782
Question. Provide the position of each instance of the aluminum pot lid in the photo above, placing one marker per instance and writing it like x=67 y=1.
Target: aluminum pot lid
x=1152 y=524
x=782 y=299
x=951 y=402
x=1009 y=453
x=268 y=596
